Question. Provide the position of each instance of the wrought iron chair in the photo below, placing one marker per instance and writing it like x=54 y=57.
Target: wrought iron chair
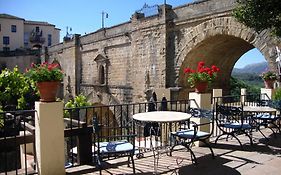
x=189 y=132
x=111 y=146
x=268 y=120
x=231 y=121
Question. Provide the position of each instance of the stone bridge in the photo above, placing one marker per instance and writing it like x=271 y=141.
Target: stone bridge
x=124 y=63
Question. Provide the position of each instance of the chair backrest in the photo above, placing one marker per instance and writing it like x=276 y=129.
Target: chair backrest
x=96 y=125
x=203 y=113
x=228 y=114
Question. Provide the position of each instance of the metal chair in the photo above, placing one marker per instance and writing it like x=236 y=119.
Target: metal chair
x=231 y=121
x=113 y=146
x=190 y=133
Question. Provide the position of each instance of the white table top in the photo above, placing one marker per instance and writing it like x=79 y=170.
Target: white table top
x=258 y=109
x=162 y=116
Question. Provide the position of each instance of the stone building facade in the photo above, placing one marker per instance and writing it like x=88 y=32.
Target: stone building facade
x=125 y=63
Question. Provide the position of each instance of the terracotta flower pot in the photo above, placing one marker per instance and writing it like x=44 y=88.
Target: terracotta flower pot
x=48 y=90
x=201 y=87
x=269 y=84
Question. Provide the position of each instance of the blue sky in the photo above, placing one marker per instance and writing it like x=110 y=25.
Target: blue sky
x=84 y=16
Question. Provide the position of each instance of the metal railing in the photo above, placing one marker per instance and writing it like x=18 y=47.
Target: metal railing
x=117 y=118
x=17 y=136
x=17 y=132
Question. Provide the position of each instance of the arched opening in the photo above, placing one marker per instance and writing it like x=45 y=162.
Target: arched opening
x=220 y=50
x=247 y=71
x=253 y=56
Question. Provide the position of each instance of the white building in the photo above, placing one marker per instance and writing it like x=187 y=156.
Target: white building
x=18 y=33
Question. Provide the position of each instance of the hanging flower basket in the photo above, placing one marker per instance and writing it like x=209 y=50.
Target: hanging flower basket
x=48 y=90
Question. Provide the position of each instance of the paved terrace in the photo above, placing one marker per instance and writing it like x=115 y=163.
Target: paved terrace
x=260 y=159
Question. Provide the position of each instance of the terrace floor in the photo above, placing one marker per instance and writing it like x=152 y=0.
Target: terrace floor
x=261 y=158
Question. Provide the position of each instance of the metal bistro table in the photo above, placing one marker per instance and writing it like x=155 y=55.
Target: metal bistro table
x=265 y=114
x=160 y=117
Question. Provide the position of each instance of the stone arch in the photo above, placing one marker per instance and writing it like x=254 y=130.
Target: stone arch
x=222 y=41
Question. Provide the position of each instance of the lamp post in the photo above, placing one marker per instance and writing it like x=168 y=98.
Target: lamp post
x=103 y=15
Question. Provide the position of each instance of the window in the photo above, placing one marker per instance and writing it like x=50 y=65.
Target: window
x=13 y=28
x=6 y=40
x=49 y=39
x=101 y=75
x=25 y=39
x=102 y=67
x=37 y=29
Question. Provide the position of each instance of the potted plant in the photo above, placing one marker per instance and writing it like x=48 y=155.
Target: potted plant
x=202 y=76
x=47 y=77
x=269 y=78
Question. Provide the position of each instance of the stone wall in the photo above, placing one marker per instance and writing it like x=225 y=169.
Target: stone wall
x=21 y=61
x=148 y=53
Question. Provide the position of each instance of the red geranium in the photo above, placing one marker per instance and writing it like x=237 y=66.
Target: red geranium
x=45 y=72
x=202 y=74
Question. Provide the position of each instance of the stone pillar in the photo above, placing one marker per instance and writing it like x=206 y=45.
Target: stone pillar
x=243 y=93
x=217 y=93
x=268 y=92
x=204 y=102
x=49 y=132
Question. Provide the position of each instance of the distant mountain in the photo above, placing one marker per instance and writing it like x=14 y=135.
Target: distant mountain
x=256 y=68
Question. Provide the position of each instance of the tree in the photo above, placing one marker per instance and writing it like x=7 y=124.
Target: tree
x=260 y=14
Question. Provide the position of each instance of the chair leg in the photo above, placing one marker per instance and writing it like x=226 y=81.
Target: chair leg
x=225 y=133
x=238 y=141
x=208 y=144
x=251 y=139
x=193 y=158
x=133 y=163
x=218 y=138
x=98 y=161
x=129 y=161
x=262 y=133
x=171 y=150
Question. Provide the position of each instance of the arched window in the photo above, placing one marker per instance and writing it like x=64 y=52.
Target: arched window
x=102 y=66
x=101 y=75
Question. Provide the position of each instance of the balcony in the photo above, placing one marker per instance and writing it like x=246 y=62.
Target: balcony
x=261 y=158
x=37 y=39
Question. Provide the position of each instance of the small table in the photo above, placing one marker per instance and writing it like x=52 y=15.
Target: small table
x=161 y=117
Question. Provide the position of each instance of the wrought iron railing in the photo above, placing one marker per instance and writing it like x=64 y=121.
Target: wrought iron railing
x=17 y=149
x=116 y=118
